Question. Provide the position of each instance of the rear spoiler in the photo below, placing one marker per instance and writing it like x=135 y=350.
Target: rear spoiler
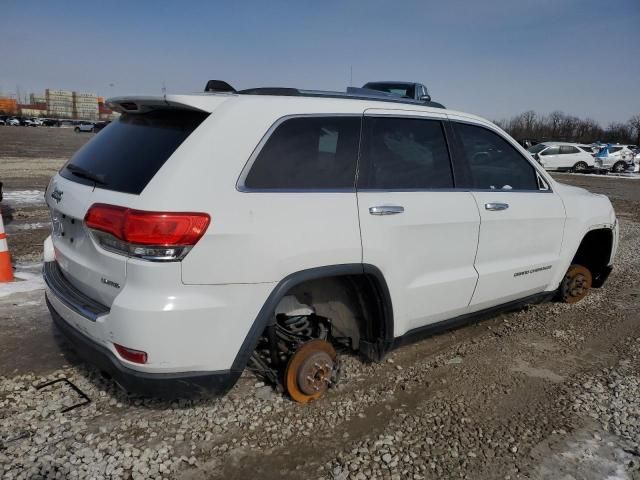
x=134 y=105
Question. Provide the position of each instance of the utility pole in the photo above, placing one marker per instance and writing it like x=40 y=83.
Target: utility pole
x=351 y=75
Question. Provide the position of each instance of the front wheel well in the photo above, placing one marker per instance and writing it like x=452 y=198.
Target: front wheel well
x=594 y=253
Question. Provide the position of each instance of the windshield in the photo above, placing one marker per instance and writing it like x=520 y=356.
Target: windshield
x=400 y=89
x=536 y=148
x=130 y=151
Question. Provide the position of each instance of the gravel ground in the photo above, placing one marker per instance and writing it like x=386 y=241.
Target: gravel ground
x=551 y=391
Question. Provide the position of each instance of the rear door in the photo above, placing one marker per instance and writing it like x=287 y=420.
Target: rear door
x=522 y=219
x=415 y=227
x=551 y=158
x=114 y=168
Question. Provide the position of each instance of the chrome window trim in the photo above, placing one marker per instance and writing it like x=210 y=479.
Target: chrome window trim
x=240 y=183
x=242 y=188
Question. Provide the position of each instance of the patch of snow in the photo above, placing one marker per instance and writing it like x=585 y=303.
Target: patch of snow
x=28 y=277
x=23 y=197
x=627 y=176
x=12 y=227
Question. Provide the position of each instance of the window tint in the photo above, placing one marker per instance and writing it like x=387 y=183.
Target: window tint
x=551 y=151
x=614 y=149
x=404 y=153
x=130 y=151
x=567 y=149
x=308 y=153
x=586 y=149
x=493 y=162
x=536 y=148
x=400 y=89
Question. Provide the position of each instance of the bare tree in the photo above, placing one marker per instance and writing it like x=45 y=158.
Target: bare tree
x=634 y=124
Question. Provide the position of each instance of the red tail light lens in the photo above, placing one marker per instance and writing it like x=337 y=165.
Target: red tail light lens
x=135 y=356
x=150 y=235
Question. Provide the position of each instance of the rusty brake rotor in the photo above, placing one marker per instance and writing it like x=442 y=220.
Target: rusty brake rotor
x=310 y=370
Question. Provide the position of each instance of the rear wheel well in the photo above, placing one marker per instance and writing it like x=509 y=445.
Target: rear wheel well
x=594 y=253
x=357 y=307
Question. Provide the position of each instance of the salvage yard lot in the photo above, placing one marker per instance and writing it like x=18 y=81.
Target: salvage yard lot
x=544 y=392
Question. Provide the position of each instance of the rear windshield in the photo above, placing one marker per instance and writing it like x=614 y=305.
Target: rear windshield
x=126 y=155
x=536 y=148
x=400 y=89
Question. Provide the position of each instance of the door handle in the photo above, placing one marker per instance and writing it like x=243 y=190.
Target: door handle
x=494 y=207
x=386 y=210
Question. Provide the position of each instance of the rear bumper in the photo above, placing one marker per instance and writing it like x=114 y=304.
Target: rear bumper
x=160 y=384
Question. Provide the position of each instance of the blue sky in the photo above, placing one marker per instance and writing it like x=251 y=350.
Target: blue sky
x=494 y=58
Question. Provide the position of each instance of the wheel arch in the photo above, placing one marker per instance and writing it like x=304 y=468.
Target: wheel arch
x=373 y=344
x=594 y=252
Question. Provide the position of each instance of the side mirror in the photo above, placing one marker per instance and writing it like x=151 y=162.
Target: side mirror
x=425 y=98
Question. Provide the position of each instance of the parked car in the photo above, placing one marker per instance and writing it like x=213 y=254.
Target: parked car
x=13 y=121
x=588 y=148
x=199 y=234
x=614 y=158
x=100 y=125
x=562 y=156
x=2 y=122
x=409 y=90
x=83 y=127
x=50 y=122
x=36 y=122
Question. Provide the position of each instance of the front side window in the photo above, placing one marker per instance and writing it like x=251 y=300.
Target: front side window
x=494 y=164
x=404 y=154
x=308 y=153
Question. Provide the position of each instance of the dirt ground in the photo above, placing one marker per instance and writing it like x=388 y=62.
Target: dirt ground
x=547 y=392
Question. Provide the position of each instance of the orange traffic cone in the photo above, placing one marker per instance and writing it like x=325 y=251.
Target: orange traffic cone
x=6 y=271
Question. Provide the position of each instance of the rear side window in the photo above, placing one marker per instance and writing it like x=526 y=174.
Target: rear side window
x=587 y=149
x=127 y=154
x=404 y=153
x=494 y=164
x=308 y=153
x=555 y=150
x=614 y=149
x=567 y=149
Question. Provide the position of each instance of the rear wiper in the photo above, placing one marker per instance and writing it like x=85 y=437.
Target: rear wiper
x=83 y=173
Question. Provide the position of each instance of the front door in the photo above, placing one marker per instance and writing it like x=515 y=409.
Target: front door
x=521 y=219
x=419 y=231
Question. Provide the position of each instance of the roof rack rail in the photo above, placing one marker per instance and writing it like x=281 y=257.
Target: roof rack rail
x=352 y=93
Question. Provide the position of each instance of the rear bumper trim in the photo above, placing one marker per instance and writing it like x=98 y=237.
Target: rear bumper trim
x=70 y=295
x=170 y=385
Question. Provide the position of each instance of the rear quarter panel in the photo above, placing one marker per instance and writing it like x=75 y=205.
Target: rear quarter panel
x=253 y=237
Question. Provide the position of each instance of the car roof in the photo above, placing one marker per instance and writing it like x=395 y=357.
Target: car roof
x=208 y=102
x=573 y=144
x=391 y=82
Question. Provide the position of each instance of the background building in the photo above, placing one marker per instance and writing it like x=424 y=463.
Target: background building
x=8 y=105
x=59 y=103
x=85 y=106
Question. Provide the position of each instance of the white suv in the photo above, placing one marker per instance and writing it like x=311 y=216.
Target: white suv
x=198 y=234
x=563 y=156
x=616 y=158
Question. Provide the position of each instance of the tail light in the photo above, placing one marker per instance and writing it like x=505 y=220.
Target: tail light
x=155 y=236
